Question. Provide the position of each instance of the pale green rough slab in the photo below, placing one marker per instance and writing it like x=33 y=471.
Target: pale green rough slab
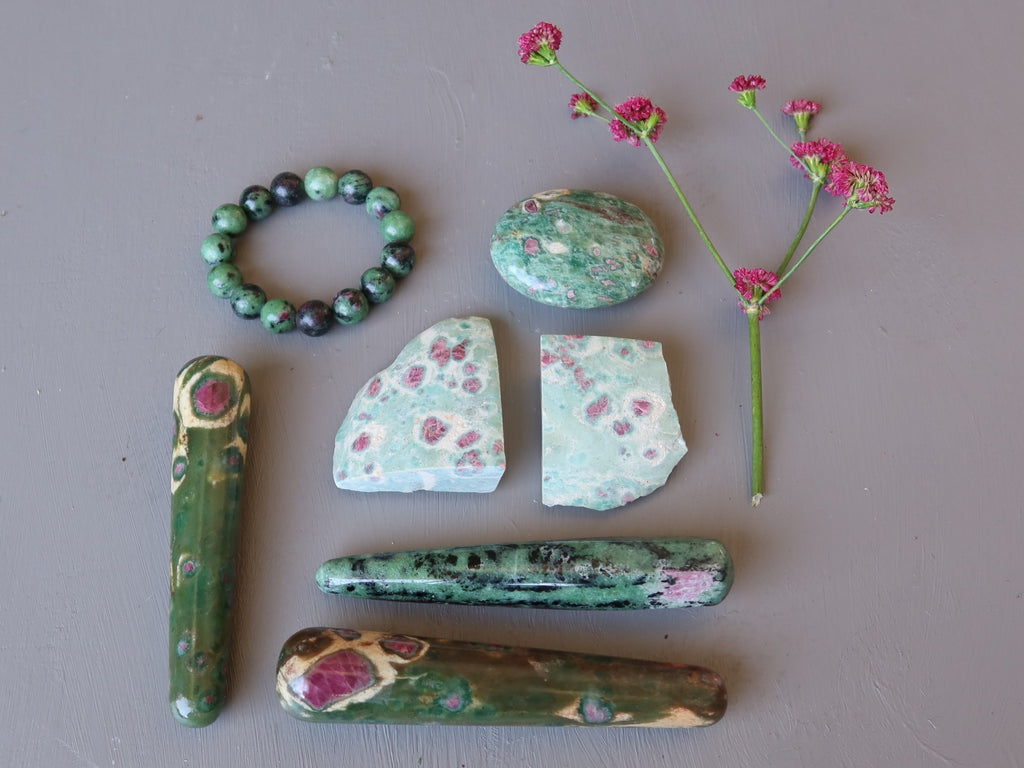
x=431 y=420
x=610 y=433
x=576 y=248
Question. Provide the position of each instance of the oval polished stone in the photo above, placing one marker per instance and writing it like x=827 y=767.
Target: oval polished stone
x=576 y=248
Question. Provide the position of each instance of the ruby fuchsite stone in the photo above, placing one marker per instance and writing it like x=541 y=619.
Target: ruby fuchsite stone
x=211 y=420
x=610 y=434
x=431 y=420
x=595 y=574
x=576 y=248
x=351 y=676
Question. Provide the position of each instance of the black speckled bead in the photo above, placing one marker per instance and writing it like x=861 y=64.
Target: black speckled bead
x=378 y=284
x=351 y=306
x=398 y=259
x=217 y=248
x=247 y=300
x=288 y=189
x=354 y=186
x=257 y=202
x=314 y=318
x=229 y=219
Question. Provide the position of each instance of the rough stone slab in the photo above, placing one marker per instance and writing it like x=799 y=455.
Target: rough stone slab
x=430 y=421
x=610 y=433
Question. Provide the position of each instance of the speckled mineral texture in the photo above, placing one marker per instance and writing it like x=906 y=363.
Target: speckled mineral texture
x=589 y=574
x=610 y=433
x=431 y=420
x=576 y=248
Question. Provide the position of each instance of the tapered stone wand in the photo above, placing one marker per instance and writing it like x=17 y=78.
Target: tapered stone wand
x=211 y=418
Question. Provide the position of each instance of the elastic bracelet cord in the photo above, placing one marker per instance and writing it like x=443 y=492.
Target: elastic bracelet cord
x=315 y=317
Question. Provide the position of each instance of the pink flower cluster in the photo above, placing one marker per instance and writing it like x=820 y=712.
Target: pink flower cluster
x=818 y=156
x=539 y=44
x=801 y=107
x=640 y=111
x=752 y=284
x=747 y=83
x=581 y=105
x=862 y=186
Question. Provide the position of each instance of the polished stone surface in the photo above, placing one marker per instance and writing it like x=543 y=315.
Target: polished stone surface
x=211 y=419
x=431 y=420
x=610 y=432
x=576 y=248
x=351 y=676
x=594 y=574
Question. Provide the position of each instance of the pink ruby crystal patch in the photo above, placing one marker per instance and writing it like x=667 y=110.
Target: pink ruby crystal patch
x=212 y=397
x=405 y=647
x=334 y=678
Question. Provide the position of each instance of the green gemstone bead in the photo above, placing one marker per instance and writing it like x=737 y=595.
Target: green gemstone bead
x=217 y=248
x=230 y=219
x=381 y=201
x=354 y=186
x=278 y=316
x=378 y=284
x=398 y=259
x=350 y=306
x=223 y=279
x=247 y=300
x=321 y=183
x=397 y=227
x=257 y=202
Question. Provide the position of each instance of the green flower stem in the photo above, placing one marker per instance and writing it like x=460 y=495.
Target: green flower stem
x=756 y=407
x=586 y=90
x=822 y=236
x=785 y=146
x=661 y=163
x=689 y=210
x=803 y=229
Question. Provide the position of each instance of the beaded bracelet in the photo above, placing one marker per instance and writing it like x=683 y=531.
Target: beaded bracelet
x=350 y=305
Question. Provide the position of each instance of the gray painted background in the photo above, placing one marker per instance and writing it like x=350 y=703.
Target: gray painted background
x=878 y=608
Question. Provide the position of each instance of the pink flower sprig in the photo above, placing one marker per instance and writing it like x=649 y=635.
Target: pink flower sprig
x=637 y=118
x=582 y=105
x=639 y=122
x=538 y=46
x=747 y=87
x=801 y=110
x=862 y=186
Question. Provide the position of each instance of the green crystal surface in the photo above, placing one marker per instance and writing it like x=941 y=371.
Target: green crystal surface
x=576 y=248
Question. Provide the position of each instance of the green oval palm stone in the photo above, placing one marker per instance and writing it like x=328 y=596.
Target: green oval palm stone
x=576 y=248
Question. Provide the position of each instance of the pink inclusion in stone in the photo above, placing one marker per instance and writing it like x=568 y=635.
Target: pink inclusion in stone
x=641 y=407
x=405 y=647
x=334 y=677
x=375 y=387
x=453 y=703
x=597 y=408
x=440 y=353
x=414 y=376
x=361 y=443
x=595 y=711
x=433 y=430
x=685 y=586
x=468 y=439
x=212 y=397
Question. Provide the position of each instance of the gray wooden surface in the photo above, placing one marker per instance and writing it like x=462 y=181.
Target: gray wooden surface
x=877 y=614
